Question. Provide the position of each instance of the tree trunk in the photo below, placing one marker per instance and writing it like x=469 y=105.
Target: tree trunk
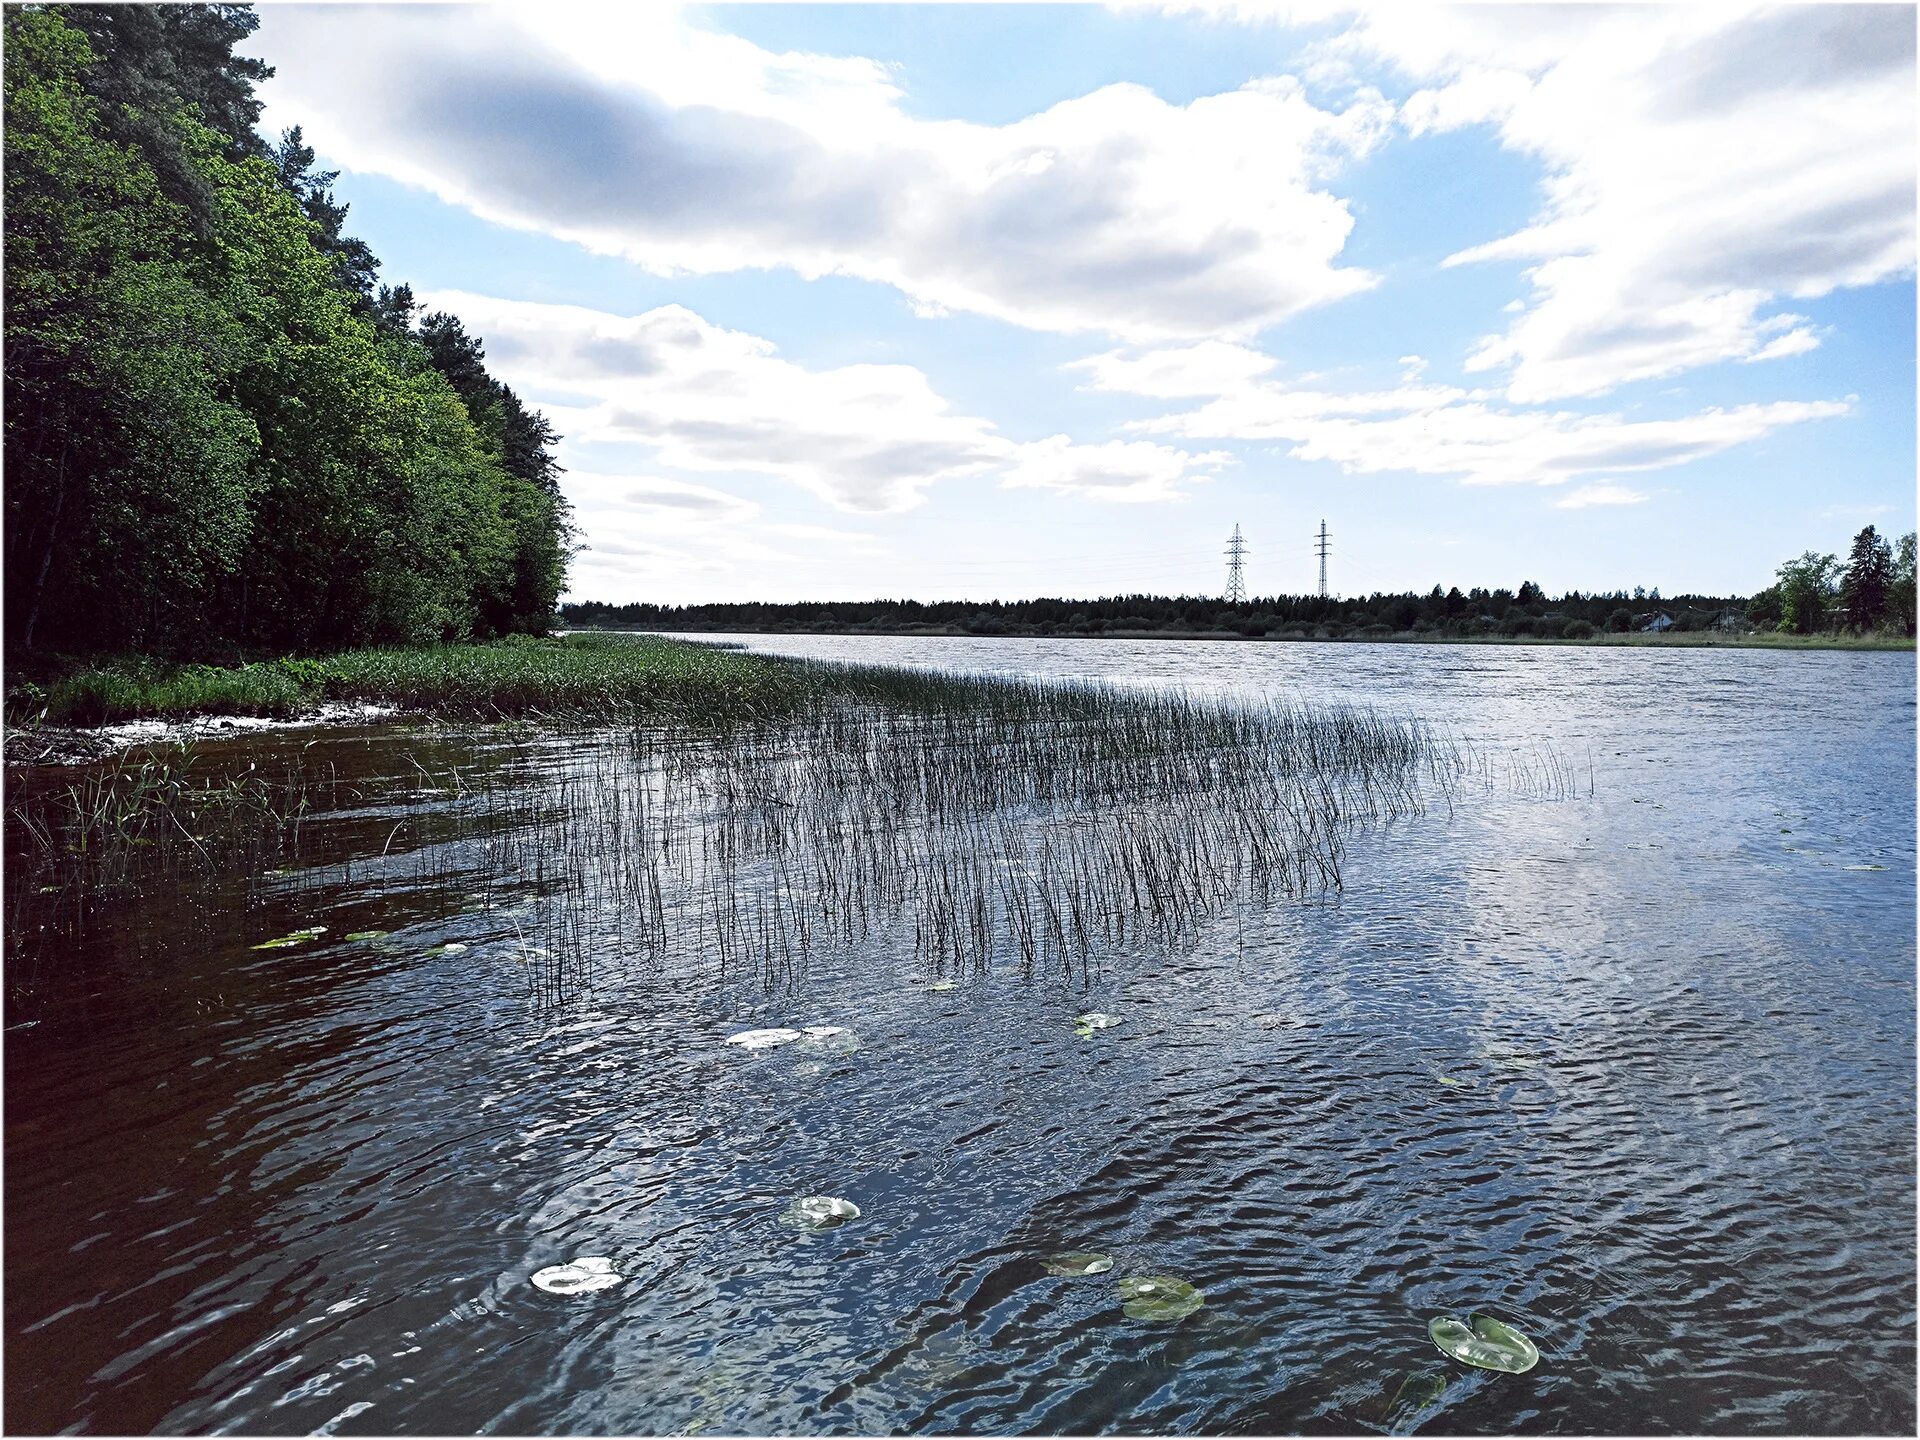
x=46 y=554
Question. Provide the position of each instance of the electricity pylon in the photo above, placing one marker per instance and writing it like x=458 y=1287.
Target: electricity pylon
x=1322 y=547
x=1236 y=578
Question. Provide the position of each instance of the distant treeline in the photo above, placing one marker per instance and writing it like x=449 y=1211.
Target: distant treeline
x=1814 y=593
x=1526 y=611
x=221 y=436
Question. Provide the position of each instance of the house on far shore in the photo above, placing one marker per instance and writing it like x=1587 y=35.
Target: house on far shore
x=1653 y=623
x=1731 y=621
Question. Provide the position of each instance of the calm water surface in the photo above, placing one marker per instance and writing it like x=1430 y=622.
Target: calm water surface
x=294 y=1190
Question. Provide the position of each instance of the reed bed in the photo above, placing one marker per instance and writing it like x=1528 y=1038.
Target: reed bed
x=967 y=822
x=980 y=821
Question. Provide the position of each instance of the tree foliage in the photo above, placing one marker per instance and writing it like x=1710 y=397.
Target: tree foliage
x=1868 y=583
x=1440 y=613
x=218 y=434
x=1808 y=588
x=1900 y=592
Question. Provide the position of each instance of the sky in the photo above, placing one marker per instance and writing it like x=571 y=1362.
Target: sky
x=981 y=301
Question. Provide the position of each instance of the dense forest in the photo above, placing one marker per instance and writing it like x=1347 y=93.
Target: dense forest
x=1873 y=592
x=222 y=436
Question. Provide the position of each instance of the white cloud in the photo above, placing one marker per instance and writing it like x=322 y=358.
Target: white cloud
x=1588 y=495
x=1173 y=373
x=1431 y=429
x=864 y=438
x=1702 y=164
x=1119 y=470
x=630 y=132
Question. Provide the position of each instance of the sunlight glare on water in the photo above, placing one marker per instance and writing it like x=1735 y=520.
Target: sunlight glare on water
x=1631 y=1070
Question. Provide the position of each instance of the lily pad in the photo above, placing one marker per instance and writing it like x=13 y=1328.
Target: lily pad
x=1455 y=1080
x=1487 y=1343
x=1509 y=1057
x=835 y=1039
x=942 y=986
x=369 y=934
x=1159 y=1297
x=578 y=1277
x=297 y=937
x=1863 y=867
x=1418 y=1394
x=764 y=1039
x=1085 y=1025
x=1077 y=1262
x=452 y=947
x=821 y=1212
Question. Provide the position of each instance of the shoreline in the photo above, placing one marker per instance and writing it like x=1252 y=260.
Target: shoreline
x=111 y=708
x=1686 y=640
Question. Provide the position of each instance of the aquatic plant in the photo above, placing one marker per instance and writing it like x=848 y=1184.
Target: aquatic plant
x=750 y=813
x=821 y=1212
x=578 y=1277
x=765 y=1039
x=1484 y=1342
x=297 y=937
x=1159 y=1297
x=1416 y=1395
x=1077 y=1262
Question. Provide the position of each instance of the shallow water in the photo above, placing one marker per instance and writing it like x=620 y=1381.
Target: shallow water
x=279 y=1191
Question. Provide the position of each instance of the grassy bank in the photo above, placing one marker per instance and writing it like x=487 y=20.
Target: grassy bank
x=620 y=676
x=576 y=676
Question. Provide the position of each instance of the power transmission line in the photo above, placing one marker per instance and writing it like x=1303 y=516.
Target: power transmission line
x=1236 y=577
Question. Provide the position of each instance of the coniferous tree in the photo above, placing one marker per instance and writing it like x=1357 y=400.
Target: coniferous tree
x=1864 y=589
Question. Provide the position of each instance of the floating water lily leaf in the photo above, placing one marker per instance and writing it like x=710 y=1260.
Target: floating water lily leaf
x=1093 y=1020
x=1418 y=1393
x=835 y=1039
x=1078 y=1262
x=820 y=1212
x=452 y=947
x=1489 y=1343
x=578 y=1277
x=763 y=1039
x=369 y=935
x=1508 y=1057
x=941 y=986
x=1159 y=1297
x=297 y=937
x=1865 y=867
x=1445 y=1079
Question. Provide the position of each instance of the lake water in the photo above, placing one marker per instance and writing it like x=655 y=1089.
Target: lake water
x=287 y=1190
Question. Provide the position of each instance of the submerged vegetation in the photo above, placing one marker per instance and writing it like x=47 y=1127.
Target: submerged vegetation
x=750 y=812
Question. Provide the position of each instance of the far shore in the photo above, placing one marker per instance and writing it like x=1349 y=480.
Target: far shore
x=1680 y=640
